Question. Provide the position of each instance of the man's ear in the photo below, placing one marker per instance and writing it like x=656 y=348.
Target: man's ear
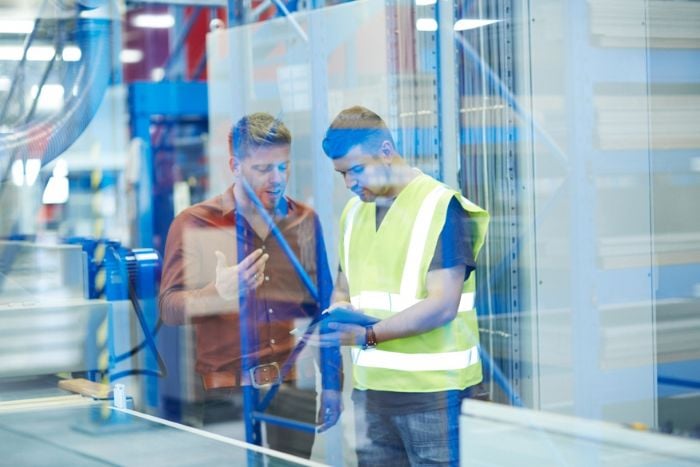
x=234 y=165
x=386 y=149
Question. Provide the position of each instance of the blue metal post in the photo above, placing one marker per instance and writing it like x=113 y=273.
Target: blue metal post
x=249 y=342
x=167 y=99
x=142 y=131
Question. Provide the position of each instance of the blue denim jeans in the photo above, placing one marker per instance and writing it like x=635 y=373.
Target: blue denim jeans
x=414 y=439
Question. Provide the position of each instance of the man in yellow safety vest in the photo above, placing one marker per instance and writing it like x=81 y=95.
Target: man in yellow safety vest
x=407 y=245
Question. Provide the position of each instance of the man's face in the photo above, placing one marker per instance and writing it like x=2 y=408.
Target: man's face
x=365 y=174
x=266 y=169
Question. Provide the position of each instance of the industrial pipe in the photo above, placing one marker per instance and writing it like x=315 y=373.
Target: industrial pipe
x=48 y=138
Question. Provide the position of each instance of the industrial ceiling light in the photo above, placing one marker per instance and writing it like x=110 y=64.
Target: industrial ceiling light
x=57 y=189
x=71 y=53
x=426 y=24
x=51 y=97
x=18 y=172
x=156 y=21
x=130 y=56
x=31 y=171
x=465 y=24
x=16 y=26
x=425 y=2
x=25 y=173
x=38 y=53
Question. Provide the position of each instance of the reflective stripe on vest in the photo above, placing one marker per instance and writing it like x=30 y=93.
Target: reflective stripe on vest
x=411 y=286
x=349 y=220
x=375 y=358
x=416 y=246
x=382 y=301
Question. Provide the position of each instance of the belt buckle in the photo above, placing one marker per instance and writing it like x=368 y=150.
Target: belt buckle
x=264 y=375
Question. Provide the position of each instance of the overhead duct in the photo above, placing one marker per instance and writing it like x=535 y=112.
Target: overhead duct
x=68 y=5
x=47 y=138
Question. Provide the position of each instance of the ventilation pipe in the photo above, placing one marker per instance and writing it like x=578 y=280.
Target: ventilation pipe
x=45 y=139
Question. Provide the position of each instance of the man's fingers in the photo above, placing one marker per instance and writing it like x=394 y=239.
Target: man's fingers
x=329 y=410
x=259 y=265
x=315 y=340
x=328 y=421
x=220 y=260
x=328 y=339
x=340 y=305
x=253 y=264
x=258 y=279
x=250 y=259
x=255 y=269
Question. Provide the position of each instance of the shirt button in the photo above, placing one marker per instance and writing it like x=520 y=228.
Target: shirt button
x=264 y=248
x=267 y=278
x=270 y=311
x=272 y=341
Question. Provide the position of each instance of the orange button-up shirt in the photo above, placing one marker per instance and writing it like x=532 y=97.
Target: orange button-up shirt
x=188 y=294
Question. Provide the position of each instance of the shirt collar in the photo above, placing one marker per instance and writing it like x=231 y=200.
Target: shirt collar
x=228 y=202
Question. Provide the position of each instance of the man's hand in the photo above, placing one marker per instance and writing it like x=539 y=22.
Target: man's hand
x=341 y=305
x=344 y=334
x=330 y=409
x=234 y=281
x=343 y=325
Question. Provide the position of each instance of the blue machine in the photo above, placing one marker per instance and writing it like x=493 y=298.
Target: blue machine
x=126 y=278
x=131 y=277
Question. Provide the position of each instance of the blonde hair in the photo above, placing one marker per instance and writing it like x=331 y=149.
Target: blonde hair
x=257 y=130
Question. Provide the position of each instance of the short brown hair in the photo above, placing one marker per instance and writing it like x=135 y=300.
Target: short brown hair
x=257 y=130
x=353 y=126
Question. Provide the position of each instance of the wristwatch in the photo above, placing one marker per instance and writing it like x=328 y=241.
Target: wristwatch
x=370 y=338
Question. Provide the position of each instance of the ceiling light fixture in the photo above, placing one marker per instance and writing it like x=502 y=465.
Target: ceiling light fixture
x=16 y=26
x=426 y=24
x=51 y=97
x=35 y=53
x=71 y=53
x=130 y=56
x=149 y=20
x=465 y=24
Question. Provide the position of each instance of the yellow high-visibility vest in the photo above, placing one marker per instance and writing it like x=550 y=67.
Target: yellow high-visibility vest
x=387 y=270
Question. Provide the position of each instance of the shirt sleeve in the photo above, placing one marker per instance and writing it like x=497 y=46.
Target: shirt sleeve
x=325 y=279
x=454 y=246
x=179 y=299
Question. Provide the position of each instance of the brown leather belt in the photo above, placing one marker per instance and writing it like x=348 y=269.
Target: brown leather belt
x=220 y=379
x=265 y=375
x=259 y=376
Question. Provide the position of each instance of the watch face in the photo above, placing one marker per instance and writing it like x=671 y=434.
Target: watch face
x=370 y=338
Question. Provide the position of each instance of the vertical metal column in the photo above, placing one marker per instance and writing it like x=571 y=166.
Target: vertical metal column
x=394 y=99
x=142 y=131
x=510 y=192
x=249 y=342
x=585 y=319
x=323 y=184
x=234 y=12
x=488 y=176
x=428 y=138
x=448 y=100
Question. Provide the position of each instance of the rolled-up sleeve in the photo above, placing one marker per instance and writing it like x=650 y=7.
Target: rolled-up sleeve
x=187 y=281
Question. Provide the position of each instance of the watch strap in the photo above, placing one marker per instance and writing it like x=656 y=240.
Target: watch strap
x=370 y=338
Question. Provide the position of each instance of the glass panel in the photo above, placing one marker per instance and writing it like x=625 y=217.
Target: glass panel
x=574 y=124
x=75 y=433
